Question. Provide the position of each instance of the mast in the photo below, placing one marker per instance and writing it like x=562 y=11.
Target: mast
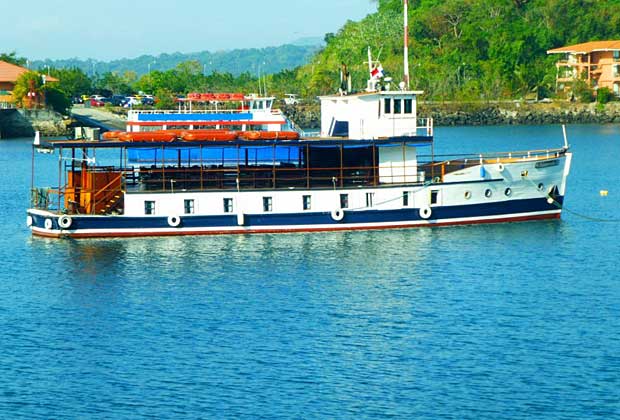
x=406 y=47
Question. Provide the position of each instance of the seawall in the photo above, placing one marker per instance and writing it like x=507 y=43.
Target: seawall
x=24 y=122
x=487 y=113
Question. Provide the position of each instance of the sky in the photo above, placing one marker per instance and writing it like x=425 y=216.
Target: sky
x=111 y=29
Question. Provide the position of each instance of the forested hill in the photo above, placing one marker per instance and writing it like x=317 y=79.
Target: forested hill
x=465 y=49
x=270 y=60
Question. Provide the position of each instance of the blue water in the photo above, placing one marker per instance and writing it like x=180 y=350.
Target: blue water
x=501 y=321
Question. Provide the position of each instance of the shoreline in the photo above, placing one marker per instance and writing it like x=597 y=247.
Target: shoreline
x=19 y=123
x=488 y=113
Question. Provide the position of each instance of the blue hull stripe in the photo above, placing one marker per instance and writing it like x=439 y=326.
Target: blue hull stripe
x=305 y=218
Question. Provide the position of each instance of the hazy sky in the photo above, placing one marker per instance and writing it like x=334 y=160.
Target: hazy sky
x=109 y=29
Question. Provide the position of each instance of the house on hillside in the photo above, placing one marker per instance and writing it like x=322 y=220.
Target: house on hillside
x=596 y=62
x=9 y=73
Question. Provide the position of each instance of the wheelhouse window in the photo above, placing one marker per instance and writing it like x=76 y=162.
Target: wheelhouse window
x=149 y=207
x=369 y=198
x=307 y=202
x=408 y=106
x=228 y=205
x=397 y=106
x=344 y=201
x=188 y=206
x=387 y=106
x=434 y=197
x=267 y=204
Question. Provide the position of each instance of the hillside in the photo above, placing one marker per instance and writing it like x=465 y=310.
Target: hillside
x=465 y=49
x=235 y=62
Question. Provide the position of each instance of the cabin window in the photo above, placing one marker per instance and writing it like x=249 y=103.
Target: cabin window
x=408 y=106
x=228 y=205
x=188 y=206
x=387 y=106
x=267 y=204
x=397 y=106
x=149 y=207
x=344 y=201
x=434 y=197
x=406 y=199
x=616 y=55
x=369 y=197
x=307 y=201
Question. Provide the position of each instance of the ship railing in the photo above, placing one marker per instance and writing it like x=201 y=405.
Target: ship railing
x=267 y=176
x=452 y=163
x=424 y=127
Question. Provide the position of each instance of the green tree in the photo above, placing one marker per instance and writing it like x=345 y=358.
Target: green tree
x=28 y=89
x=13 y=58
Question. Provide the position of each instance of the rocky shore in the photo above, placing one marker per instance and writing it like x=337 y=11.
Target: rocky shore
x=487 y=113
x=23 y=123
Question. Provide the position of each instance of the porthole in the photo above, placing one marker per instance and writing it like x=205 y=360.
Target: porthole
x=488 y=193
x=541 y=186
x=467 y=195
x=508 y=192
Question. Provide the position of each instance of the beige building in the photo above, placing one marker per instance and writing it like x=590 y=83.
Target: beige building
x=597 y=62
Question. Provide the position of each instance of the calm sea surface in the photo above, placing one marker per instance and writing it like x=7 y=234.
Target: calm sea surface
x=504 y=321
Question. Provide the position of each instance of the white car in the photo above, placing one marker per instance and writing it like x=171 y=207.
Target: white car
x=290 y=99
x=131 y=101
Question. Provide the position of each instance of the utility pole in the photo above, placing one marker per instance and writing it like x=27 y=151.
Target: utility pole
x=406 y=48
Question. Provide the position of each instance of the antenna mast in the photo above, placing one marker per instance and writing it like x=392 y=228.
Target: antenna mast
x=406 y=47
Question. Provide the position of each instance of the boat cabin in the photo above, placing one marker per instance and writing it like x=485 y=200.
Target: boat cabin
x=372 y=115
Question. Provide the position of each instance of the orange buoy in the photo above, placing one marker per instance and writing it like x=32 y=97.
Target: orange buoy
x=147 y=136
x=210 y=135
x=221 y=96
x=250 y=135
x=112 y=135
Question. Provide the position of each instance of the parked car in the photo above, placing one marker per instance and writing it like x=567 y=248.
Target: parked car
x=96 y=102
x=148 y=100
x=97 y=97
x=132 y=101
x=118 y=100
x=291 y=99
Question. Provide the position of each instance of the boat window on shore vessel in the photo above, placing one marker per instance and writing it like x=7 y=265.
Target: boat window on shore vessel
x=369 y=197
x=307 y=202
x=434 y=197
x=405 y=198
x=228 y=205
x=188 y=206
x=149 y=207
x=388 y=106
x=344 y=201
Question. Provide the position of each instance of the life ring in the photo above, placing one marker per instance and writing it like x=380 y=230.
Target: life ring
x=65 y=222
x=425 y=212
x=174 y=221
x=48 y=224
x=29 y=220
x=337 y=214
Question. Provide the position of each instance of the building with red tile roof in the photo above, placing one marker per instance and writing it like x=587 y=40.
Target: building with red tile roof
x=596 y=62
x=9 y=73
